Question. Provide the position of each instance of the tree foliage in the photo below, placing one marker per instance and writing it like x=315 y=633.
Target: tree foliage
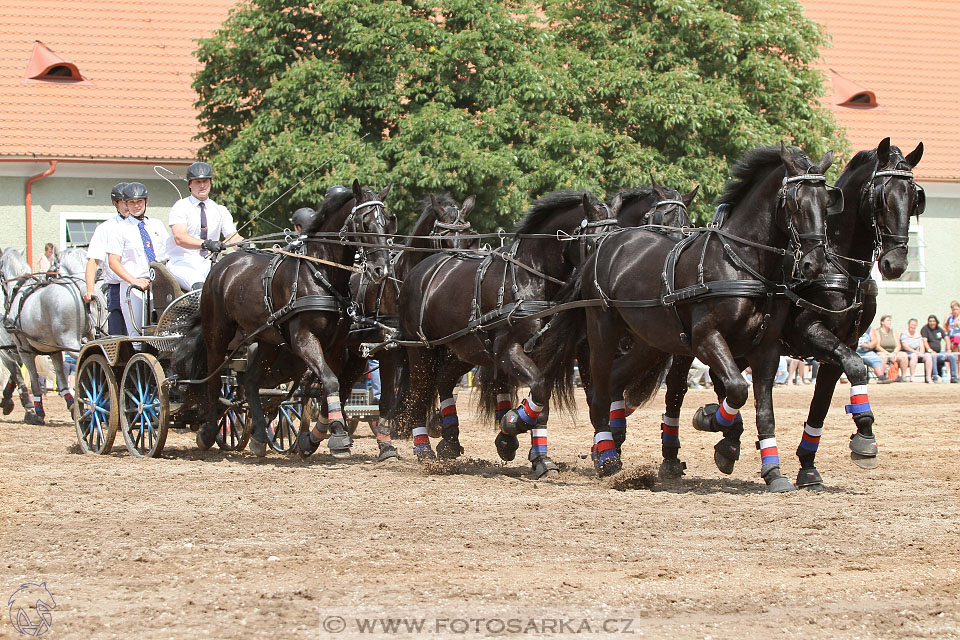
x=507 y=100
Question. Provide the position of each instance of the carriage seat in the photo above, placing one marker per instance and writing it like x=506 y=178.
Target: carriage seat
x=165 y=287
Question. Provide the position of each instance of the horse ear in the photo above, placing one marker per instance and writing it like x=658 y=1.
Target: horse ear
x=825 y=162
x=382 y=196
x=436 y=205
x=589 y=209
x=616 y=204
x=357 y=191
x=657 y=186
x=883 y=152
x=914 y=156
x=688 y=199
x=467 y=206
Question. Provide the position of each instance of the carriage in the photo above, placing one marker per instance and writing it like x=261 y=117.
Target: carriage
x=122 y=383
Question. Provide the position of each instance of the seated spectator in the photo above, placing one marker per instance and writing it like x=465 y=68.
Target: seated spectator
x=888 y=346
x=911 y=342
x=806 y=368
x=937 y=350
x=866 y=349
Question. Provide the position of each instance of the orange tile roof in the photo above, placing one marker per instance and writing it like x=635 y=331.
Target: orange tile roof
x=908 y=53
x=137 y=59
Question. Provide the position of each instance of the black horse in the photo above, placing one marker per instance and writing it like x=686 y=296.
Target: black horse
x=710 y=295
x=880 y=195
x=301 y=321
x=442 y=225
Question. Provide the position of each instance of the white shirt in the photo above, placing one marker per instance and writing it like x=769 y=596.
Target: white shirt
x=98 y=247
x=187 y=212
x=128 y=244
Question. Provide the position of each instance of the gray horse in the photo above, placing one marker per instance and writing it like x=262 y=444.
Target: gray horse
x=46 y=316
x=10 y=359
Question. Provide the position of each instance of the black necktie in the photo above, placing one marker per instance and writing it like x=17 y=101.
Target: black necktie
x=203 y=228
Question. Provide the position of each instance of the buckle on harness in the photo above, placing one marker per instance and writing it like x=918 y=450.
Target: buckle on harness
x=685 y=294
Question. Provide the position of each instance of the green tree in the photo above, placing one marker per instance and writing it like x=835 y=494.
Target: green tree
x=507 y=100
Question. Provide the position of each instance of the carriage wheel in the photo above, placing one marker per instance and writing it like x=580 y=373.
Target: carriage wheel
x=234 y=427
x=287 y=421
x=144 y=415
x=96 y=416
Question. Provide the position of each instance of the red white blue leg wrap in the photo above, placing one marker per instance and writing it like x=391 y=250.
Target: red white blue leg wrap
x=68 y=397
x=726 y=414
x=618 y=415
x=769 y=454
x=448 y=412
x=529 y=411
x=603 y=447
x=504 y=404
x=38 y=405
x=859 y=401
x=319 y=431
x=421 y=440
x=334 y=412
x=811 y=438
x=538 y=443
x=670 y=431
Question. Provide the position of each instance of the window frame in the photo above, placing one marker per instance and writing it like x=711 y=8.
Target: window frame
x=915 y=239
x=81 y=217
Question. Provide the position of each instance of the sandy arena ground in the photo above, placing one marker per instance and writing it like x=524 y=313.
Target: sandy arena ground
x=212 y=545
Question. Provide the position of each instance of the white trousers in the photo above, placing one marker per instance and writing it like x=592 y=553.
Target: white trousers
x=188 y=272
x=134 y=322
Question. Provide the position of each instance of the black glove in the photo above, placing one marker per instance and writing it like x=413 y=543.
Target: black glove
x=213 y=246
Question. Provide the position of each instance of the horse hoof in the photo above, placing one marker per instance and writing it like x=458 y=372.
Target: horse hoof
x=339 y=439
x=671 y=469
x=202 y=443
x=306 y=446
x=258 y=448
x=809 y=479
x=776 y=483
x=725 y=455
x=33 y=418
x=435 y=425
x=607 y=463
x=703 y=418
x=511 y=424
x=425 y=453
x=864 y=462
x=863 y=445
x=448 y=449
x=544 y=467
x=507 y=446
x=340 y=453
x=8 y=406
x=388 y=452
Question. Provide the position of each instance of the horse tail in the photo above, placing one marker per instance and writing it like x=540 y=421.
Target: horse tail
x=644 y=386
x=189 y=359
x=557 y=352
x=489 y=385
x=401 y=377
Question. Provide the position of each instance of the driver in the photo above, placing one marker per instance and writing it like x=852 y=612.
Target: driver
x=97 y=257
x=197 y=223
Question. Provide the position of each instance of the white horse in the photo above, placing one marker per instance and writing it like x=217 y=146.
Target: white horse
x=46 y=316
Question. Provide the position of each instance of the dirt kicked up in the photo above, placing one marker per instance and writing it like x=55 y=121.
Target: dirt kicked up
x=212 y=545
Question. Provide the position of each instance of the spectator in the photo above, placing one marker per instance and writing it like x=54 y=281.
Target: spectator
x=866 y=349
x=888 y=346
x=937 y=351
x=806 y=368
x=952 y=326
x=911 y=342
x=697 y=376
x=46 y=262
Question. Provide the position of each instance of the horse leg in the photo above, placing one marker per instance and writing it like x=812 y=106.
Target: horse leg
x=14 y=381
x=387 y=405
x=37 y=415
x=216 y=351
x=423 y=371
x=600 y=331
x=308 y=348
x=731 y=391
x=672 y=467
x=764 y=367
x=62 y=383
x=250 y=380
x=449 y=375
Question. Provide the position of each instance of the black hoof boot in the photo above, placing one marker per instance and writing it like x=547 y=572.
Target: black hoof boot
x=449 y=448
x=258 y=448
x=306 y=446
x=8 y=406
x=809 y=478
x=205 y=439
x=671 y=469
x=339 y=441
x=863 y=451
x=703 y=418
x=511 y=424
x=607 y=463
x=425 y=453
x=387 y=452
x=507 y=446
x=776 y=483
x=725 y=455
x=32 y=417
x=544 y=467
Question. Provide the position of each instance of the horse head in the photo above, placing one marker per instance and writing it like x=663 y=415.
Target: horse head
x=599 y=219
x=451 y=230
x=805 y=201
x=888 y=200
x=670 y=208
x=369 y=224
x=12 y=267
x=73 y=261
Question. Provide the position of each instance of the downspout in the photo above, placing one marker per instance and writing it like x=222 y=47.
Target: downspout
x=29 y=203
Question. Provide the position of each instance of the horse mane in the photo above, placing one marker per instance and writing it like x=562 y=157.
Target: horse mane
x=547 y=206
x=754 y=165
x=13 y=263
x=330 y=205
x=69 y=255
x=426 y=210
x=629 y=196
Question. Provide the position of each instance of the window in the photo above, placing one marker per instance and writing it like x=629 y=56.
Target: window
x=76 y=229
x=915 y=277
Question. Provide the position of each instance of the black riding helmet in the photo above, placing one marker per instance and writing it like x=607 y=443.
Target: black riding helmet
x=134 y=191
x=199 y=171
x=304 y=216
x=335 y=189
x=117 y=192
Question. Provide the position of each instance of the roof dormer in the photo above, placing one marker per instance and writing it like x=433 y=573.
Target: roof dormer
x=847 y=93
x=47 y=66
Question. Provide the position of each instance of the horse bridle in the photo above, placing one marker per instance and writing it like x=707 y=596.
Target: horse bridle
x=655 y=215
x=354 y=224
x=588 y=233
x=444 y=230
x=873 y=192
x=790 y=204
